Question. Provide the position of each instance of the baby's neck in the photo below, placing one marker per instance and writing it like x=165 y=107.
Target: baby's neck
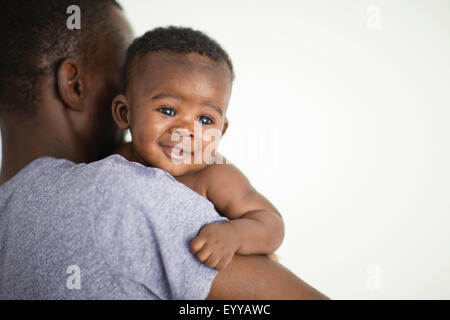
x=126 y=151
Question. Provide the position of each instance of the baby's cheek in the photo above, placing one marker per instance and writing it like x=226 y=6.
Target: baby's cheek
x=140 y=140
x=148 y=131
x=209 y=149
x=144 y=144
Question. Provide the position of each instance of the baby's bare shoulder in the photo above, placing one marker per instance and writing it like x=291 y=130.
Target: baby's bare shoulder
x=222 y=171
x=223 y=185
x=223 y=176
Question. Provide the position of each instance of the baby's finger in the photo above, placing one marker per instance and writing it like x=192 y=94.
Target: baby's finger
x=223 y=263
x=212 y=261
x=197 y=244
x=204 y=254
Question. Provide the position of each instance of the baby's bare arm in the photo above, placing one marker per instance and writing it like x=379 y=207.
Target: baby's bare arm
x=257 y=222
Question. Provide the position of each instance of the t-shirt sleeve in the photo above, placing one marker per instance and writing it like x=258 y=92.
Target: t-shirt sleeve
x=143 y=223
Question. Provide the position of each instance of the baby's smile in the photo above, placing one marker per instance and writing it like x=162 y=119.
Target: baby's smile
x=170 y=104
x=176 y=152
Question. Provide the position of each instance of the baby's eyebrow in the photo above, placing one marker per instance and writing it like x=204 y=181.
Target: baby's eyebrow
x=213 y=106
x=166 y=95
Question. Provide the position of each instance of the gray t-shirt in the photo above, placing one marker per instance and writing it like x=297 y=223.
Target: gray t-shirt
x=112 y=229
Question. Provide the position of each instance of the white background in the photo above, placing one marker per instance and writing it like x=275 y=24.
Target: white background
x=340 y=115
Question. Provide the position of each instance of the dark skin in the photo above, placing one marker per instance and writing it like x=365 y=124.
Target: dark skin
x=70 y=123
x=74 y=119
x=175 y=92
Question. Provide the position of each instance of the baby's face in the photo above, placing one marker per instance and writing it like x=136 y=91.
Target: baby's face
x=174 y=99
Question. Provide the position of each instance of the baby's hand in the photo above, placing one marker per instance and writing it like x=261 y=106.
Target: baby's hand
x=216 y=244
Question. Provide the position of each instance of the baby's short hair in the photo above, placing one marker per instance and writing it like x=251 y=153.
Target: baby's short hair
x=178 y=40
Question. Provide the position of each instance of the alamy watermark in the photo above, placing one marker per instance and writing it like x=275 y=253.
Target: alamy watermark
x=373 y=21
x=190 y=148
x=256 y=147
x=74 y=20
x=73 y=282
x=373 y=280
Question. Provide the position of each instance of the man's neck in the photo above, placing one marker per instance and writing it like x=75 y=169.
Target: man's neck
x=26 y=141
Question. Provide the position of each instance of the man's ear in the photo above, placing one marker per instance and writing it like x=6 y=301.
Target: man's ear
x=70 y=84
x=121 y=111
x=225 y=126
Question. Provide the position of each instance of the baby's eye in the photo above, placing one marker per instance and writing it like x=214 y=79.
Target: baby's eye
x=204 y=120
x=167 y=111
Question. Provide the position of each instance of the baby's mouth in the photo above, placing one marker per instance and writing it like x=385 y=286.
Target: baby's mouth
x=176 y=152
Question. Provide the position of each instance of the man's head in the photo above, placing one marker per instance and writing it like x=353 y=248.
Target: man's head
x=64 y=79
x=176 y=80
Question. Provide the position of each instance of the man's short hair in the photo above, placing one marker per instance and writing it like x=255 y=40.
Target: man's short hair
x=174 y=39
x=34 y=39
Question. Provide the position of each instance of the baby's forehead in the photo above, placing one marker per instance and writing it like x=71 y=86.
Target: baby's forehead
x=159 y=63
x=156 y=68
x=175 y=58
x=191 y=76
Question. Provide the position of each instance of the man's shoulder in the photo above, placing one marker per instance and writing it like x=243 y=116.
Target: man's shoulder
x=116 y=170
x=143 y=229
x=115 y=176
x=118 y=183
x=111 y=217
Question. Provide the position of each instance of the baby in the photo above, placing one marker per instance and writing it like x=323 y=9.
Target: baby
x=177 y=85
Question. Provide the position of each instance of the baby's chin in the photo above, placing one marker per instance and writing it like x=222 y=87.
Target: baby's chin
x=176 y=167
x=181 y=169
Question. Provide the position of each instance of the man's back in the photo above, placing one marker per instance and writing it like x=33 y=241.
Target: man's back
x=106 y=230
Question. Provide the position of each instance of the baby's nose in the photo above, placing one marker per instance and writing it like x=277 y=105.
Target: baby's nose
x=182 y=132
x=184 y=127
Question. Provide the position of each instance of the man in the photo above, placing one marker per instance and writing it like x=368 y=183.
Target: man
x=109 y=229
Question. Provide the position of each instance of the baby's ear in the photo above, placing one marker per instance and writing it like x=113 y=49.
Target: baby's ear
x=121 y=111
x=225 y=126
